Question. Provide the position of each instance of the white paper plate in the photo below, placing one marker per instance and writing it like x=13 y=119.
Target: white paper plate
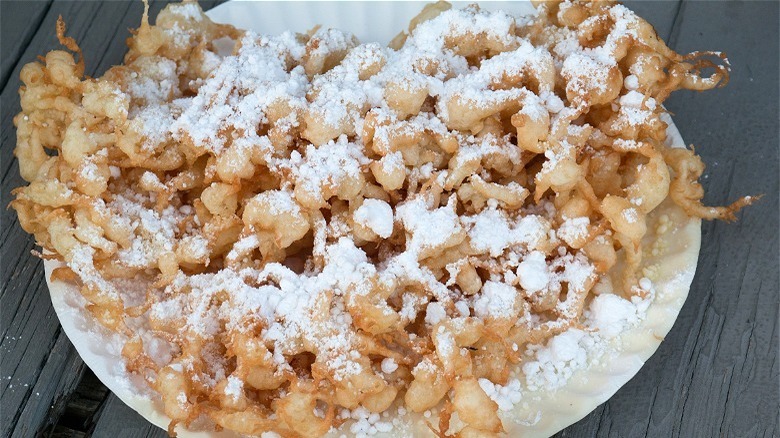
x=370 y=21
x=539 y=413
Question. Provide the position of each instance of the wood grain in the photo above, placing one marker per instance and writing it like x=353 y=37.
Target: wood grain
x=119 y=420
x=717 y=372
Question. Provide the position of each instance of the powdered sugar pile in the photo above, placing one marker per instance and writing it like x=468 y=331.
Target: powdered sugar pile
x=506 y=397
x=376 y=215
x=551 y=366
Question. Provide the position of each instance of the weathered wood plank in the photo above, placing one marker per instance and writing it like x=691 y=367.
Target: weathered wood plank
x=117 y=419
x=38 y=365
x=82 y=406
x=20 y=21
x=57 y=379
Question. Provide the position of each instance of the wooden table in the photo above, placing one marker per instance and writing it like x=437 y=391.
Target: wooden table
x=717 y=372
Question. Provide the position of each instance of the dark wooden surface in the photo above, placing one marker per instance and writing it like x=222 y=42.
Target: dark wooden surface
x=716 y=374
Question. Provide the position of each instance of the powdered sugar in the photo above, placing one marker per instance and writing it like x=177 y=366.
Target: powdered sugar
x=189 y=11
x=556 y=362
x=493 y=230
x=367 y=423
x=429 y=228
x=611 y=315
x=434 y=313
x=630 y=215
x=496 y=300
x=328 y=165
x=376 y=215
x=389 y=366
x=234 y=387
x=533 y=272
x=507 y=396
x=608 y=315
x=241 y=90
